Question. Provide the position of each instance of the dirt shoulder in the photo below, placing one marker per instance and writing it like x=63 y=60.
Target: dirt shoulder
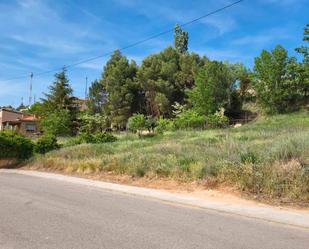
x=202 y=190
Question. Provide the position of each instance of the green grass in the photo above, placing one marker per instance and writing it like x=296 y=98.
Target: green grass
x=269 y=157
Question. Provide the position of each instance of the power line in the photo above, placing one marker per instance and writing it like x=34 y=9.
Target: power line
x=133 y=44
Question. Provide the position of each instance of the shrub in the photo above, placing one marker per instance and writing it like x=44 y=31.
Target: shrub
x=104 y=137
x=190 y=119
x=13 y=145
x=58 y=123
x=248 y=157
x=217 y=121
x=92 y=123
x=139 y=171
x=97 y=138
x=46 y=143
x=74 y=141
x=163 y=125
x=137 y=123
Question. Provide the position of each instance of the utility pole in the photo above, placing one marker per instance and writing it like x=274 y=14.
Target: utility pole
x=86 y=88
x=30 y=94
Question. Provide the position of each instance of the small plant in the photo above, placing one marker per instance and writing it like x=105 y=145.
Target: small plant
x=46 y=143
x=138 y=123
x=97 y=138
x=163 y=125
x=16 y=146
x=103 y=137
x=73 y=141
x=139 y=172
x=190 y=119
x=248 y=158
x=217 y=121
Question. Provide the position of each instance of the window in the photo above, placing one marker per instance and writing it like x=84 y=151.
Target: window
x=30 y=127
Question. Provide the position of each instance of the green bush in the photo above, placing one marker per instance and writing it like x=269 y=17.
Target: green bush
x=137 y=123
x=97 y=138
x=73 y=141
x=13 y=145
x=248 y=157
x=104 y=137
x=163 y=125
x=217 y=121
x=190 y=119
x=46 y=143
x=58 y=123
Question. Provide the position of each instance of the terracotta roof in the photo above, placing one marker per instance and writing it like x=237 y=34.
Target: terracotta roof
x=10 y=110
x=28 y=118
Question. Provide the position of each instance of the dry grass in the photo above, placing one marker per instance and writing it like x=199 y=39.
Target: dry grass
x=269 y=158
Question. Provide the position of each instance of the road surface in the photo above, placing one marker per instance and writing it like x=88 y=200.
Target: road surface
x=44 y=213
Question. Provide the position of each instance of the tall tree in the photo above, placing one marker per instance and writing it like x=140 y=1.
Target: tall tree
x=97 y=97
x=59 y=102
x=118 y=80
x=60 y=93
x=157 y=76
x=165 y=77
x=210 y=92
x=274 y=82
x=303 y=69
x=181 y=39
x=239 y=79
x=305 y=49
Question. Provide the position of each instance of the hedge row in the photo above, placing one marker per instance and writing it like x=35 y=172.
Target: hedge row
x=13 y=145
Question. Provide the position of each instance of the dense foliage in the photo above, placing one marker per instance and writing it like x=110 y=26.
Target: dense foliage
x=58 y=110
x=46 y=143
x=123 y=94
x=211 y=88
x=16 y=146
x=138 y=122
x=277 y=81
x=268 y=158
x=175 y=89
x=97 y=138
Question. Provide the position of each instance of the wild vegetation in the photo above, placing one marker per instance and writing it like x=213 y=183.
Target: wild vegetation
x=268 y=158
x=181 y=105
x=177 y=85
x=13 y=145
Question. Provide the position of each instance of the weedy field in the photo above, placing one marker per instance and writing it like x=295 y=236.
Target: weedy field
x=268 y=158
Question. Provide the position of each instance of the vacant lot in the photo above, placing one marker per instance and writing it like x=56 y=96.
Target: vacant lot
x=268 y=158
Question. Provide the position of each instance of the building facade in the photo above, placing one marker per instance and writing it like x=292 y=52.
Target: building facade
x=23 y=123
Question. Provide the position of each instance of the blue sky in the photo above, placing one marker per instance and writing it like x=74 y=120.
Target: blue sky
x=39 y=35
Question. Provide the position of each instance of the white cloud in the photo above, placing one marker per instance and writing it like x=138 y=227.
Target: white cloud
x=153 y=10
x=262 y=38
x=293 y=3
x=95 y=65
x=223 y=54
x=223 y=24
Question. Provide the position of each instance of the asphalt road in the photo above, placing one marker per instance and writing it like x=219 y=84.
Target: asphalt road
x=43 y=213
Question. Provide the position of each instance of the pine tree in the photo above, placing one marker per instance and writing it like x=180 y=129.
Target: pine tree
x=97 y=97
x=157 y=78
x=60 y=93
x=165 y=77
x=59 y=102
x=118 y=80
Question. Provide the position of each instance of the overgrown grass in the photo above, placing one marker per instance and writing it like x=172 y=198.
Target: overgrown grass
x=269 y=157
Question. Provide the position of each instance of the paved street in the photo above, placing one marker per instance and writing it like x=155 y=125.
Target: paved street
x=44 y=213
